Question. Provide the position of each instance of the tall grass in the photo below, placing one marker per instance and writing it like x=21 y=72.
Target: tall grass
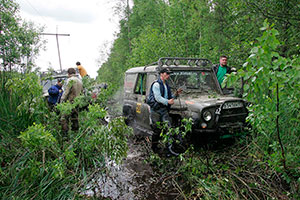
x=11 y=121
x=36 y=160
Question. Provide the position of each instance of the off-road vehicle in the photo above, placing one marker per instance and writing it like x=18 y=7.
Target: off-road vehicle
x=202 y=98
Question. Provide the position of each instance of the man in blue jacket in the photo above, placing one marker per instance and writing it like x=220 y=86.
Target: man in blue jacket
x=55 y=93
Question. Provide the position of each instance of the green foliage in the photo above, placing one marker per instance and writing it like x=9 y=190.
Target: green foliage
x=272 y=87
x=110 y=140
x=29 y=92
x=37 y=162
x=115 y=143
x=21 y=101
x=157 y=28
x=285 y=17
x=153 y=44
x=160 y=28
x=36 y=138
x=171 y=135
x=45 y=163
x=19 y=40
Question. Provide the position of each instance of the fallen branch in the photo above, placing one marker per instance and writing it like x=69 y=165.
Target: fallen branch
x=245 y=185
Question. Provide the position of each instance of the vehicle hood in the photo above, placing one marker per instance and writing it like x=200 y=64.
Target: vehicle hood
x=204 y=101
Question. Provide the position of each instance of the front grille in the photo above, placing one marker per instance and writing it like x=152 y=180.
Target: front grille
x=233 y=115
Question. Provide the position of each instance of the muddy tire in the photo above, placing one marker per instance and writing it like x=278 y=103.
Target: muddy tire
x=129 y=120
x=177 y=146
x=129 y=116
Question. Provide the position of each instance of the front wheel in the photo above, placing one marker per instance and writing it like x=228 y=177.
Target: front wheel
x=129 y=116
x=177 y=145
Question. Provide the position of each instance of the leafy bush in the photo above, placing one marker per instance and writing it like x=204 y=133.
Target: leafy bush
x=29 y=92
x=40 y=163
x=272 y=87
x=36 y=138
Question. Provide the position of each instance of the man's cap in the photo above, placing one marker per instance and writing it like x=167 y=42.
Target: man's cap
x=59 y=80
x=165 y=70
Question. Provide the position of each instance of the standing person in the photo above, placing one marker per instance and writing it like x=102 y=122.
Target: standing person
x=160 y=100
x=73 y=89
x=81 y=69
x=55 y=92
x=221 y=69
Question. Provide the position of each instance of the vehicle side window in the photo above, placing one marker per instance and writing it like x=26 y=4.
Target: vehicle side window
x=140 y=87
x=129 y=82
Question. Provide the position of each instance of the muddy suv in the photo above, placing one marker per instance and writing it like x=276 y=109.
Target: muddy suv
x=202 y=98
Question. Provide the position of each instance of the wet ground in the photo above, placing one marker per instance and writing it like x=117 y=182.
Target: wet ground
x=133 y=179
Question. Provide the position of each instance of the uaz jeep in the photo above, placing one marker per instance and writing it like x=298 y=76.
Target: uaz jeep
x=202 y=98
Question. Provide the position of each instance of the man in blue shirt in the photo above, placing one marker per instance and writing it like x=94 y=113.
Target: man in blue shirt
x=221 y=69
x=55 y=93
x=160 y=100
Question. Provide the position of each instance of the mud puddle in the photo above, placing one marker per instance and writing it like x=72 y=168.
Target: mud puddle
x=133 y=179
x=129 y=180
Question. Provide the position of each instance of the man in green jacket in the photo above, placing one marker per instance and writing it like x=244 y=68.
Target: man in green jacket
x=221 y=69
x=73 y=89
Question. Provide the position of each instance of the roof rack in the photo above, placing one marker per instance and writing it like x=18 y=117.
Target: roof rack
x=154 y=63
x=175 y=61
x=181 y=60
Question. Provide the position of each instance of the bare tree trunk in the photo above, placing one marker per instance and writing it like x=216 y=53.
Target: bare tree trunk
x=277 y=127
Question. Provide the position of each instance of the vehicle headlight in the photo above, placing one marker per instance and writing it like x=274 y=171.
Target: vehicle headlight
x=207 y=115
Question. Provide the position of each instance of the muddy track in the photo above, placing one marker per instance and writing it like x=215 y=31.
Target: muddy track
x=134 y=178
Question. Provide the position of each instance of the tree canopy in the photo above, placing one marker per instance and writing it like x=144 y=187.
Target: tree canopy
x=156 y=28
x=20 y=41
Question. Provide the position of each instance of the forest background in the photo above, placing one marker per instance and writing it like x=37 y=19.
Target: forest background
x=261 y=39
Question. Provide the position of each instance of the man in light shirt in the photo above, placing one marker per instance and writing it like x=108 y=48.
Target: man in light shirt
x=160 y=100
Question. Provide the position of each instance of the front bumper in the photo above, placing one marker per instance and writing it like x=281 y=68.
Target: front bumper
x=221 y=128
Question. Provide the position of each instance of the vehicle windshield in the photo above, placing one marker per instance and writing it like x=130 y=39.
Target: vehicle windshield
x=193 y=81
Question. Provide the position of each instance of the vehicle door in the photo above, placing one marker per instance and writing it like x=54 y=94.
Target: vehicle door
x=130 y=98
x=142 y=109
